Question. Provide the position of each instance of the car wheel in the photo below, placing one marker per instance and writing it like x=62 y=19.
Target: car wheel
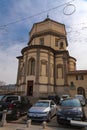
x=59 y=121
x=84 y=117
x=49 y=117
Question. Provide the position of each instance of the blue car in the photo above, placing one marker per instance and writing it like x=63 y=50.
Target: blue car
x=70 y=109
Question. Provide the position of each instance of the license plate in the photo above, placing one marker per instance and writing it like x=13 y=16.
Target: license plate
x=34 y=115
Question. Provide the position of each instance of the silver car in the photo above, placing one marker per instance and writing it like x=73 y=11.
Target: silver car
x=42 y=110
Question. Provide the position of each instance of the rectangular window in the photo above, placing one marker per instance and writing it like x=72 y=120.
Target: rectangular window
x=56 y=42
x=76 y=77
x=79 y=77
x=61 y=45
x=41 y=41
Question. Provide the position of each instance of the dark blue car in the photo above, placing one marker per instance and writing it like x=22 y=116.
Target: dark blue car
x=70 y=109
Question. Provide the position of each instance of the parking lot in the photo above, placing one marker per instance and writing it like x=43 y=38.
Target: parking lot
x=52 y=123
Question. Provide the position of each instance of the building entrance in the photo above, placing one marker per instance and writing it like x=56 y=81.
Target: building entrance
x=30 y=88
x=81 y=90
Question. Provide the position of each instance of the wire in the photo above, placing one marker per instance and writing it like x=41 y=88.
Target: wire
x=35 y=14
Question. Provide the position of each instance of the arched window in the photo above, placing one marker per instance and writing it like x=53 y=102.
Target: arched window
x=56 y=42
x=81 y=90
x=31 y=66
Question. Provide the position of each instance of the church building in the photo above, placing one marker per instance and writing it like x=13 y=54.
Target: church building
x=45 y=66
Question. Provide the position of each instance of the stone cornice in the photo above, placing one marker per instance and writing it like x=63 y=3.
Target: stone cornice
x=77 y=72
x=43 y=47
x=72 y=58
x=36 y=47
x=19 y=57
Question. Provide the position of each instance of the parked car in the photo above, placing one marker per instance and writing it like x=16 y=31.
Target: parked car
x=15 y=105
x=70 y=109
x=1 y=96
x=63 y=97
x=42 y=110
x=55 y=98
x=81 y=99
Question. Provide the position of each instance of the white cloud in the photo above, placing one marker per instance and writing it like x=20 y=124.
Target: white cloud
x=9 y=63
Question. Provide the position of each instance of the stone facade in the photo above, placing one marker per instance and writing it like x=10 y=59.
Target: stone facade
x=46 y=67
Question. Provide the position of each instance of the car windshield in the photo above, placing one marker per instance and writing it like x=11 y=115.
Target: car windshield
x=71 y=103
x=10 y=98
x=42 y=104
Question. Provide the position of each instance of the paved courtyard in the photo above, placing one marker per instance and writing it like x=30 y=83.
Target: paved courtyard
x=21 y=124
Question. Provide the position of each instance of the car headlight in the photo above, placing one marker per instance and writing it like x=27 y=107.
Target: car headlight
x=46 y=112
x=78 y=110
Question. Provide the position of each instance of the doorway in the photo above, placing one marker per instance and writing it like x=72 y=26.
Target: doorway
x=30 y=88
x=80 y=90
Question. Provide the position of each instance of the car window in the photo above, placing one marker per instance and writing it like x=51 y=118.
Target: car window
x=10 y=98
x=42 y=104
x=52 y=103
x=71 y=103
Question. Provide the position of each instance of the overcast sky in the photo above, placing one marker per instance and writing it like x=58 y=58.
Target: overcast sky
x=17 y=18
